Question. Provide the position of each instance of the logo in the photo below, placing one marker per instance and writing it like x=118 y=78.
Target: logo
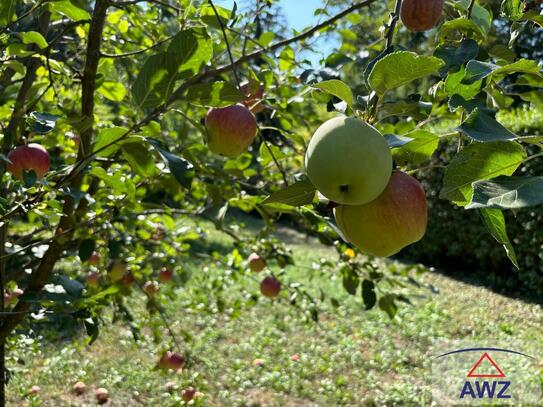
x=483 y=376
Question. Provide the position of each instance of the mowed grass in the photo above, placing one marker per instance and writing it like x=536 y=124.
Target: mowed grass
x=351 y=357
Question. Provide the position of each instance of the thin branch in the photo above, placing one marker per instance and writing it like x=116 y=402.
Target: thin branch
x=277 y=164
x=120 y=4
x=226 y=42
x=470 y=9
x=394 y=16
x=22 y=16
x=141 y=51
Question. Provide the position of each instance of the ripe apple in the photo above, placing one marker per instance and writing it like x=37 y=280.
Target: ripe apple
x=165 y=275
x=102 y=395
x=421 y=15
x=256 y=262
x=270 y=287
x=151 y=287
x=35 y=390
x=230 y=130
x=348 y=161
x=383 y=227
x=31 y=157
x=117 y=270
x=188 y=394
x=94 y=258
x=295 y=357
x=93 y=279
x=254 y=92
x=7 y=298
x=259 y=362
x=79 y=388
x=128 y=279
x=171 y=360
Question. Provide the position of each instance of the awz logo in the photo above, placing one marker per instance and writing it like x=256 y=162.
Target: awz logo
x=494 y=383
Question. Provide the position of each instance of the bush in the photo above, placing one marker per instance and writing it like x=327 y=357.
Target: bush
x=457 y=239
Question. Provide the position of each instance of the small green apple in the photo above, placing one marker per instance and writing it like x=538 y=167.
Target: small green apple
x=256 y=262
x=348 y=161
x=383 y=227
x=117 y=270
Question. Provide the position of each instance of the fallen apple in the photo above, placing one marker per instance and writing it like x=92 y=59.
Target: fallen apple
x=421 y=15
x=165 y=275
x=151 y=287
x=256 y=263
x=348 y=161
x=30 y=157
x=35 y=390
x=188 y=394
x=254 y=92
x=171 y=360
x=383 y=227
x=102 y=395
x=230 y=130
x=270 y=287
x=128 y=279
x=79 y=388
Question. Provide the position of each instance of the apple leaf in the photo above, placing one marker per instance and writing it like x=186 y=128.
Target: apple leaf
x=336 y=88
x=463 y=26
x=477 y=70
x=479 y=161
x=298 y=194
x=181 y=169
x=481 y=127
x=7 y=11
x=350 y=280
x=401 y=68
x=454 y=85
x=107 y=136
x=34 y=37
x=70 y=10
x=113 y=91
x=417 y=151
x=495 y=223
x=214 y=94
x=86 y=247
x=368 y=294
x=395 y=141
x=139 y=157
x=386 y=303
x=507 y=193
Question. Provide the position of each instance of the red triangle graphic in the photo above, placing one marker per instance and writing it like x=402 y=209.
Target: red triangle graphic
x=476 y=365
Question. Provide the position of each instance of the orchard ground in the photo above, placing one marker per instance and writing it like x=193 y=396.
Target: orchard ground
x=351 y=357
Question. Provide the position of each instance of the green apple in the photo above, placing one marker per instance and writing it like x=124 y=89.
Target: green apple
x=348 y=161
x=383 y=227
x=230 y=130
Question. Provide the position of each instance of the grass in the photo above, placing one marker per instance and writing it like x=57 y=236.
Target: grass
x=350 y=357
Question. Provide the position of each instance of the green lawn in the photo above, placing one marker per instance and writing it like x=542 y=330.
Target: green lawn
x=350 y=357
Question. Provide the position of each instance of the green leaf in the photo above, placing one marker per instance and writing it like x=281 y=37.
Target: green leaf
x=7 y=11
x=181 y=169
x=298 y=194
x=139 y=157
x=479 y=161
x=41 y=123
x=336 y=88
x=350 y=280
x=86 y=248
x=484 y=128
x=189 y=51
x=107 y=136
x=512 y=9
x=495 y=223
x=208 y=16
x=507 y=193
x=117 y=181
x=401 y=68
x=33 y=37
x=286 y=59
x=214 y=94
x=154 y=83
x=477 y=70
x=417 y=151
x=368 y=294
x=455 y=57
x=68 y=9
x=395 y=141
x=454 y=85
x=464 y=26
x=386 y=303
x=114 y=91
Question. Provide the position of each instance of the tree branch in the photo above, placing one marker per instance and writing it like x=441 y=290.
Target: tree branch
x=141 y=51
x=394 y=16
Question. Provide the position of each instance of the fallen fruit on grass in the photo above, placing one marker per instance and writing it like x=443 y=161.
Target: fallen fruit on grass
x=171 y=360
x=230 y=130
x=348 y=161
x=270 y=287
x=295 y=357
x=256 y=262
x=383 y=227
x=151 y=287
x=128 y=279
x=102 y=395
x=259 y=362
x=31 y=157
x=165 y=275
x=35 y=390
x=79 y=388
x=188 y=394
x=254 y=92
x=421 y=15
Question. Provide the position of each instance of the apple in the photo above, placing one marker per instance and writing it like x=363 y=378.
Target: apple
x=256 y=262
x=348 y=161
x=117 y=270
x=188 y=394
x=102 y=395
x=128 y=279
x=383 y=227
x=254 y=92
x=35 y=390
x=165 y=275
x=230 y=130
x=30 y=157
x=295 y=357
x=79 y=388
x=270 y=287
x=421 y=15
x=93 y=279
x=94 y=258
x=171 y=360
x=7 y=298
x=258 y=362
x=151 y=287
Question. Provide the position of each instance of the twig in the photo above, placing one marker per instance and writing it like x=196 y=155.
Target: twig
x=279 y=167
x=141 y=51
x=22 y=16
x=392 y=23
x=470 y=9
x=120 y=4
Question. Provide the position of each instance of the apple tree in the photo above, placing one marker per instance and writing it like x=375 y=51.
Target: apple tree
x=119 y=119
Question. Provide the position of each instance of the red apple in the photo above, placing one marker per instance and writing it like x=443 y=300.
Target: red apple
x=117 y=270
x=79 y=388
x=151 y=287
x=128 y=279
x=188 y=394
x=94 y=258
x=165 y=275
x=254 y=92
x=383 y=227
x=256 y=262
x=171 y=360
x=35 y=390
x=102 y=395
x=93 y=279
x=259 y=362
x=230 y=130
x=295 y=357
x=270 y=287
x=31 y=157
